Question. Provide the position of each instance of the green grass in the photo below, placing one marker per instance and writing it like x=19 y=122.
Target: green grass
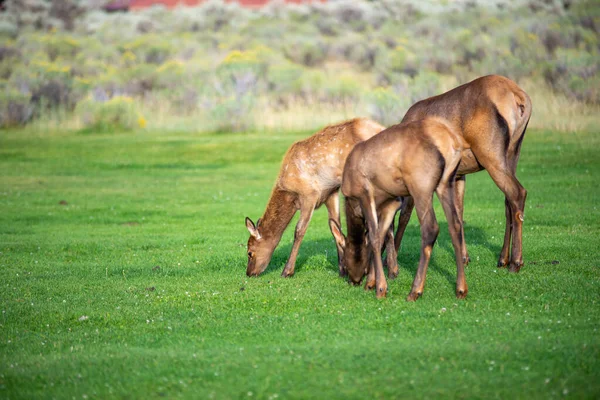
x=150 y=247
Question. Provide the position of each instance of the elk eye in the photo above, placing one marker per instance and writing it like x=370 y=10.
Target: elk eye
x=250 y=254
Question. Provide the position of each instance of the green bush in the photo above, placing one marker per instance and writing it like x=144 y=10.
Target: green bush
x=117 y=114
x=284 y=78
x=309 y=53
x=575 y=72
x=15 y=108
x=424 y=85
x=386 y=106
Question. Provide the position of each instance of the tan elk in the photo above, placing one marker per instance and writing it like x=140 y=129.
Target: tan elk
x=412 y=159
x=491 y=114
x=310 y=175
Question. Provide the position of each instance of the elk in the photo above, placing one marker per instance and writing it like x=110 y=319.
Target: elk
x=412 y=159
x=310 y=175
x=491 y=113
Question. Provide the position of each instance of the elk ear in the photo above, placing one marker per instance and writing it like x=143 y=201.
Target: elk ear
x=252 y=228
x=336 y=231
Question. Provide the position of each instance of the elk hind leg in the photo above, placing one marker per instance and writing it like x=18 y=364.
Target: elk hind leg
x=446 y=194
x=408 y=204
x=504 y=258
x=391 y=253
x=515 y=198
x=459 y=198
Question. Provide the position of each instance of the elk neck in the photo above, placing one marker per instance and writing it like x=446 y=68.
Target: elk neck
x=278 y=214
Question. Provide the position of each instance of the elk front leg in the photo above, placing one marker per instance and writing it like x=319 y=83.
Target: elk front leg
x=408 y=204
x=333 y=209
x=386 y=222
x=370 y=213
x=306 y=211
x=429 y=233
x=459 y=198
x=446 y=196
x=370 y=281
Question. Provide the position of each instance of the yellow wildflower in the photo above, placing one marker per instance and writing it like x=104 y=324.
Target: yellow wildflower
x=141 y=121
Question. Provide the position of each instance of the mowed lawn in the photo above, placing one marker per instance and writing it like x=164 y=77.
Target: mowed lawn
x=122 y=275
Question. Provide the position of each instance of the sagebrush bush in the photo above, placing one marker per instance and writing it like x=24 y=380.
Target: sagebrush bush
x=220 y=60
x=15 y=108
x=120 y=113
x=309 y=53
x=387 y=106
x=575 y=72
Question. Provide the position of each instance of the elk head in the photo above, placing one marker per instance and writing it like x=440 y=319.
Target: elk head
x=260 y=249
x=355 y=254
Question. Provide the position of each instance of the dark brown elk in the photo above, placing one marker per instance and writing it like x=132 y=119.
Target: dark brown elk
x=310 y=175
x=491 y=114
x=412 y=159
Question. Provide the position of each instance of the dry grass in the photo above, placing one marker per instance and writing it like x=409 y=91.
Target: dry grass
x=551 y=110
x=555 y=111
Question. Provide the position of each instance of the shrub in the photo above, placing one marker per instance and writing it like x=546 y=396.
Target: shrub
x=575 y=72
x=151 y=48
x=218 y=15
x=403 y=60
x=284 y=78
x=424 y=85
x=386 y=106
x=15 y=108
x=239 y=73
x=309 y=53
x=232 y=114
x=170 y=74
x=119 y=113
x=364 y=55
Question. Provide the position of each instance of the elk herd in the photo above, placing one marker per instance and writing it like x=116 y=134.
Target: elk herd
x=479 y=125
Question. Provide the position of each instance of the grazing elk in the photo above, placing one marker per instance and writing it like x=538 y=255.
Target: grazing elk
x=310 y=175
x=412 y=159
x=491 y=114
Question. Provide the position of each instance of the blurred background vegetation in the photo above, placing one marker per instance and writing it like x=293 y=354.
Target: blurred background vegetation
x=221 y=67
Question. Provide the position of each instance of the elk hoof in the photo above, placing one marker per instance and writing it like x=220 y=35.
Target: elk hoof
x=393 y=273
x=413 y=296
x=502 y=263
x=461 y=293
x=370 y=285
x=287 y=274
x=381 y=292
x=515 y=266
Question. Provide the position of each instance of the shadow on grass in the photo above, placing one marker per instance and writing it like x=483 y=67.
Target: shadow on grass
x=308 y=249
x=410 y=251
x=408 y=256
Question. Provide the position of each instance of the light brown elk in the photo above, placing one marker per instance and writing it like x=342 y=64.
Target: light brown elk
x=310 y=175
x=412 y=159
x=491 y=114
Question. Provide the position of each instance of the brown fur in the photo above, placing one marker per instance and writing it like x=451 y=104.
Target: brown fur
x=310 y=175
x=491 y=114
x=411 y=159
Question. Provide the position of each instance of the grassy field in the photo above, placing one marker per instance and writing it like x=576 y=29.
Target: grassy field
x=123 y=258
